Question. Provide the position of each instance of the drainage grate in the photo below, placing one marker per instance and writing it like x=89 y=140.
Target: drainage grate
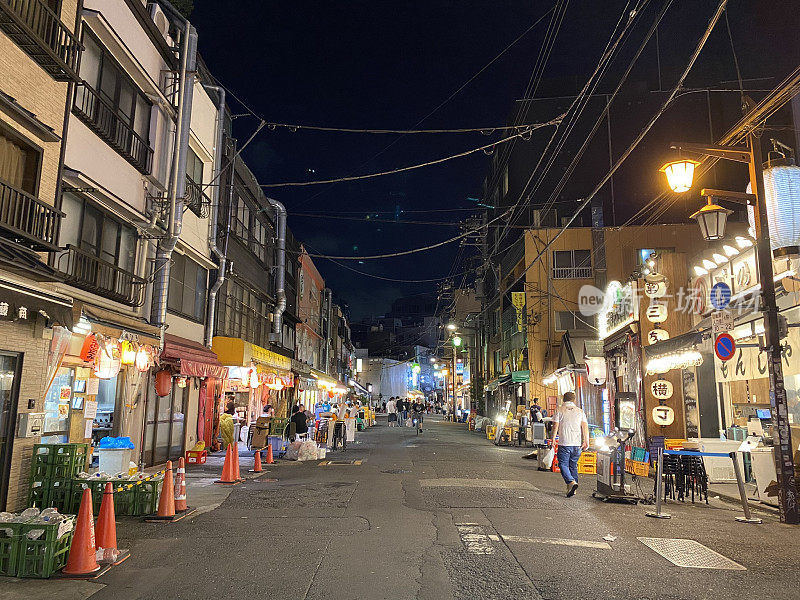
x=689 y=553
x=328 y=463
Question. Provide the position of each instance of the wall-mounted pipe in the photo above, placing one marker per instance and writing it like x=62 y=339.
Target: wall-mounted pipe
x=214 y=220
x=280 y=276
x=177 y=180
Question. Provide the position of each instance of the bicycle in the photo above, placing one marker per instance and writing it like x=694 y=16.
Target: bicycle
x=417 y=420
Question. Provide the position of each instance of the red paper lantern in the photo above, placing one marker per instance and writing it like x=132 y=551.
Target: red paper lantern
x=330 y=394
x=163 y=382
x=89 y=348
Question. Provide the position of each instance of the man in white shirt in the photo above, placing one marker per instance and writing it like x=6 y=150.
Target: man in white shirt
x=391 y=410
x=572 y=429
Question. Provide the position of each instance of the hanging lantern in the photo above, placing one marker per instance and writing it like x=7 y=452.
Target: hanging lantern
x=107 y=363
x=657 y=313
x=142 y=359
x=655 y=285
x=181 y=382
x=663 y=415
x=680 y=174
x=331 y=394
x=657 y=335
x=712 y=219
x=163 y=382
x=596 y=369
x=253 y=381
x=127 y=353
x=661 y=389
x=782 y=196
x=89 y=348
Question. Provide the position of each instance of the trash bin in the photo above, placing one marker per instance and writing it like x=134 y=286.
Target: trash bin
x=114 y=460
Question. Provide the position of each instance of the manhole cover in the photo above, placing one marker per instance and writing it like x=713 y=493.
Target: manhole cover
x=689 y=553
x=396 y=471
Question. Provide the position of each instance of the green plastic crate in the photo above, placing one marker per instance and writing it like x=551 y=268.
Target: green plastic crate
x=51 y=493
x=9 y=548
x=48 y=553
x=58 y=461
x=122 y=499
x=145 y=497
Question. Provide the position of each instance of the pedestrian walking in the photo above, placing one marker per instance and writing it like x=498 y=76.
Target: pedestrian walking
x=391 y=410
x=402 y=411
x=572 y=429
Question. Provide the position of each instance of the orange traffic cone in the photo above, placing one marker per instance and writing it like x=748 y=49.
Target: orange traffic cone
x=106 y=540
x=166 y=502
x=270 y=460
x=256 y=462
x=227 y=468
x=180 y=489
x=237 y=473
x=82 y=559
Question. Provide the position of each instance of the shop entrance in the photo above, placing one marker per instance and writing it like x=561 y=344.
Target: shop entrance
x=164 y=432
x=10 y=364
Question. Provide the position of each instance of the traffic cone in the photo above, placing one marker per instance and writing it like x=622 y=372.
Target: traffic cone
x=82 y=559
x=256 y=462
x=106 y=540
x=269 y=454
x=227 y=468
x=180 y=489
x=237 y=473
x=166 y=502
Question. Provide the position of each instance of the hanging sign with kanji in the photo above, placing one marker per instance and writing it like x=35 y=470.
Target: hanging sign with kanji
x=661 y=389
x=657 y=335
x=663 y=415
x=518 y=300
x=657 y=313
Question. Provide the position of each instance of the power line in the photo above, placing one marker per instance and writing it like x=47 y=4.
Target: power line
x=526 y=134
x=483 y=130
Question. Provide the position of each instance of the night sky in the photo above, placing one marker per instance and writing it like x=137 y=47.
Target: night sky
x=388 y=65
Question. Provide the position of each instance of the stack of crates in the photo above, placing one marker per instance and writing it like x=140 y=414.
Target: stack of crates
x=587 y=463
x=41 y=557
x=131 y=498
x=53 y=467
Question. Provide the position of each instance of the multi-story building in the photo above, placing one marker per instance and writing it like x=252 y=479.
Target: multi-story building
x=310 y=292
x=39 y=56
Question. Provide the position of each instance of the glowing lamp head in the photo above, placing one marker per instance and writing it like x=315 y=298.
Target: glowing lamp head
x=451 y=326
x=680 y=174
x=712 y=219
x=456 y=341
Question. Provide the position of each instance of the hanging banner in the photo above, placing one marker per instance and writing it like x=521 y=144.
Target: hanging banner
x=518 y=300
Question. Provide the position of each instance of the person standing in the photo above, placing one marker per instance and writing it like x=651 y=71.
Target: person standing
x=391 y=410
x=300 y=419
x=402 y=412
x=572 y=429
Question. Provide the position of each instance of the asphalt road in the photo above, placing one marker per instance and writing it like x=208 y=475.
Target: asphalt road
x=442 y=515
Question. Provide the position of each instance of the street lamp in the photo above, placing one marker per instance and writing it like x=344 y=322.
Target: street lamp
x=712 y=219
x=456 y=341
x=452 y=326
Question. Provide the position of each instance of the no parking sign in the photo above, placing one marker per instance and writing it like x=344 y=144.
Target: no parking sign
x=724 y=346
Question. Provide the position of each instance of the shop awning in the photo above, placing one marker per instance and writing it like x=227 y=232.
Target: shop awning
x=520 y=376
x=680 y=343
x=192 y=358
x=504 y=379
x=237 y=352
x=113 y=324
x=359 y=388
x=492 y=385
x=22 y=303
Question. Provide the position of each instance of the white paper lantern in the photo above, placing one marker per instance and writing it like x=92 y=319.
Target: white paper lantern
x=661 y=389
x=663 y=415
x=657 y=335
x=782 y=195
x=596 y=370
x=657 y=313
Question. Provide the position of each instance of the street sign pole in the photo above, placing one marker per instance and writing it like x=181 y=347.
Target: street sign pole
x=784 y=460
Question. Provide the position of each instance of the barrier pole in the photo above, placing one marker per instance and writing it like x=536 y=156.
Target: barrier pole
x=747 y=518
x=659 y=489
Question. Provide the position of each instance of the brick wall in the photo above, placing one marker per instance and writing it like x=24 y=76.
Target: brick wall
x=17 y=337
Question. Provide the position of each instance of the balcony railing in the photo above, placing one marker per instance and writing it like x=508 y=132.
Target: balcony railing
x=29 y=221
x=86 y=271
x=40 y=33
x=195 y=200
x=102 y=118
x=572 y=273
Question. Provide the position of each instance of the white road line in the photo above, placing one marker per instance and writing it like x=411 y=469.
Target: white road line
x=475 y=540
x=505 y=484
x=556 y=541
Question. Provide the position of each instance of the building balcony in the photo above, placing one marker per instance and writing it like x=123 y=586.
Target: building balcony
x=27 y=220
x=32 y=26
x=572 y=273
x=195 y=199
x=102 y=118
x=87 y=272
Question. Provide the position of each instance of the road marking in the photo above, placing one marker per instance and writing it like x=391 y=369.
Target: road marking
x=503 y=484
x=556 y=542
x=475 y=540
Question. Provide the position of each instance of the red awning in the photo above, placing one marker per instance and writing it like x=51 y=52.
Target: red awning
x=193 y=359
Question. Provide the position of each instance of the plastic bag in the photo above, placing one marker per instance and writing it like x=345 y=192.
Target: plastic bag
x=547 y=459
x=308 y=451
x=293 y=452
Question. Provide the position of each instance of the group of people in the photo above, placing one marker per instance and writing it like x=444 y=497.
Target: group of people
x=398 y=410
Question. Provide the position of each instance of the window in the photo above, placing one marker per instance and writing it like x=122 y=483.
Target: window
x=187 y=287
x=243 y=313
x=572 y=264
x=644 y=254
x=567 y=321
x=89 y=228
x=498 y=365
x=19 y=163
x=194 y=167
x=109 y=80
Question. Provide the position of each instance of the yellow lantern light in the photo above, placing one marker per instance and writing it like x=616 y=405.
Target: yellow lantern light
x=680 y=174
x=128 y=353
x=181 y=382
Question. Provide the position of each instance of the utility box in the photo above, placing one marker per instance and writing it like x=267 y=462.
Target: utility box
x=30 y=425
